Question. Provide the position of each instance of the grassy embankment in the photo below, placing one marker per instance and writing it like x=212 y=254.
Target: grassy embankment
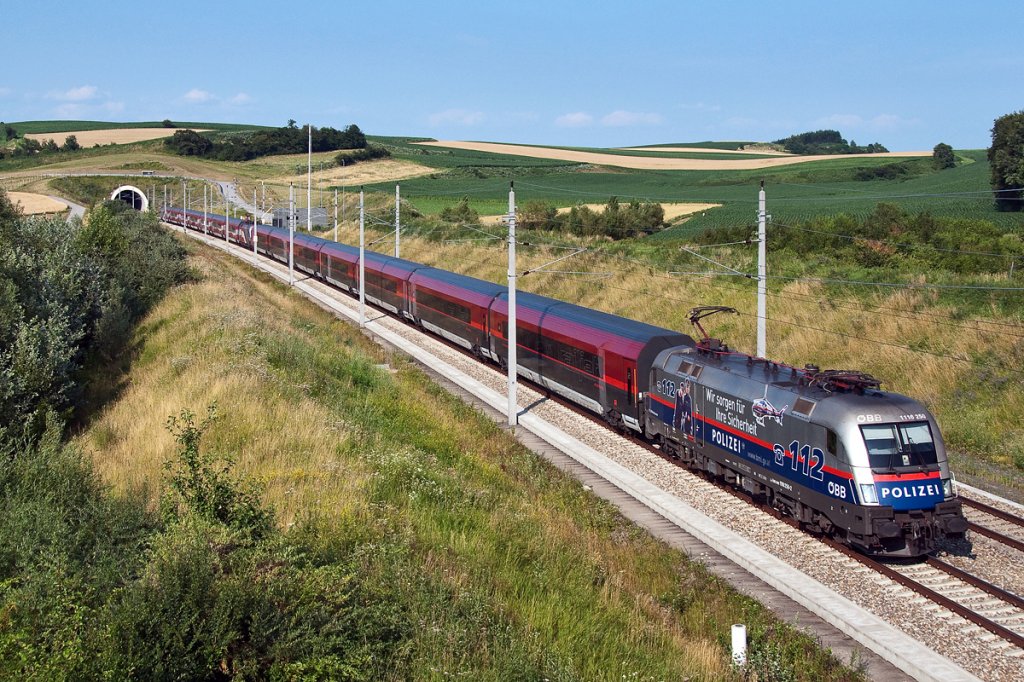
x=511 y=568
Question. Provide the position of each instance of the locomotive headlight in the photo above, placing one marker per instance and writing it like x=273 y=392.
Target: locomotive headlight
x=947 y=487
x=868 y=494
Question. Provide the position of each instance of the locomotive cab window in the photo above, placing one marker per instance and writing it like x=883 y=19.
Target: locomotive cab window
x=892 y=446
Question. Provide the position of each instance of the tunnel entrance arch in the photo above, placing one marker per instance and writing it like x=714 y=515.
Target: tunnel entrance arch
x=133 y=196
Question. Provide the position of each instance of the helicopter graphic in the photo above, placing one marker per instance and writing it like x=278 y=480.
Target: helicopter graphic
x=763 y=409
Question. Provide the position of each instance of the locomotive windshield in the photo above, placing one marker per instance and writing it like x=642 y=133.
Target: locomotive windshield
x=892 y=446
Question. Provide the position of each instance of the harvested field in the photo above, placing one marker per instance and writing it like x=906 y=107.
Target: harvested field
x=89 y=138
x=364 y=173
x=35 y=204
x=655 y=163
x=706 y=150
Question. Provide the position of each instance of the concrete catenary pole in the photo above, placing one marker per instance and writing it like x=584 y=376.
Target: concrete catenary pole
x=362 y=263
x=291 y=233
x=762 y=277
x=227 y=214
x=398 y=224
x=206 y=209
x=309 y=181
x=255 y=221
x=513 y=361
x=335 y=214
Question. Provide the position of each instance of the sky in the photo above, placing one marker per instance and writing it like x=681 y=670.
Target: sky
x=906 y=73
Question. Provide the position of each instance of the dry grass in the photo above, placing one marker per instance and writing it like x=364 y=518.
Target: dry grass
x=651 y=162
x=297 y=460
x=36 y=204
x=89 y=138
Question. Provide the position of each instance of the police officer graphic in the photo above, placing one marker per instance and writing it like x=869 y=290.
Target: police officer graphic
x=682 y=419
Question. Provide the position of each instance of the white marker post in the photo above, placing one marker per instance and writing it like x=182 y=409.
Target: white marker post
x=362 y=263
x=513 y=361
x=739 y=645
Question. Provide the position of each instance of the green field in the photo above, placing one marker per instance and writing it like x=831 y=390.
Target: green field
x=795 y=193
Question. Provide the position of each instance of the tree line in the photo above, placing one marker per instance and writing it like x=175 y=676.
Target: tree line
x=826 y=142
x=288 y=139
x=25 y=146
x=616 y=221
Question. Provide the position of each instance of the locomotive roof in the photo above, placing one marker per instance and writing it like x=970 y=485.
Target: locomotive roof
x=783 y=379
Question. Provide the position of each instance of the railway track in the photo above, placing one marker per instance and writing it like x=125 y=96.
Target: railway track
x=999 y=525
x=968 y=596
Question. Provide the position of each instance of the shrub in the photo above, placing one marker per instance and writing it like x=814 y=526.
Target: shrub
x=201 y=484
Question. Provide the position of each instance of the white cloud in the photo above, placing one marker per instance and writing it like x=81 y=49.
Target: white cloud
x=699 y=106
x=79 y=94
x=857 y=123
x=197 y=96
x=70 y=110
x=240 y=98
x=577 y=119
x=630 y=118
x=456 y=117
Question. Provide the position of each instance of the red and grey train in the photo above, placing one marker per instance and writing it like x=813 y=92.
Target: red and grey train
x=864 y=466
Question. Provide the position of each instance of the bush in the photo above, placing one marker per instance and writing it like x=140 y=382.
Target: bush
x=201 y=485
x=460 y=213
x=367 y=153
x=69 y=292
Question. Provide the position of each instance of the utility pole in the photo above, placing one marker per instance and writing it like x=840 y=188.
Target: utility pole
x=335 y=214
x=362 y=264
x=291 y=233
x=762 y=276
x=513 y=361
x=398 y=224
x=206 y=209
